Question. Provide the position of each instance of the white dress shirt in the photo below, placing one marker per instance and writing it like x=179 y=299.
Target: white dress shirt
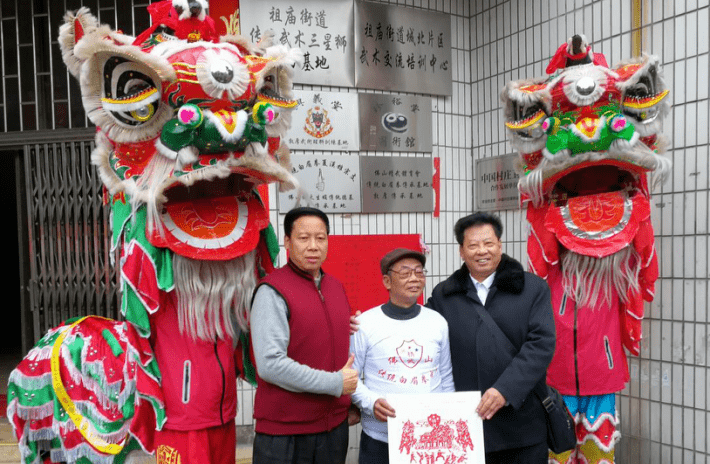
x=482 y=288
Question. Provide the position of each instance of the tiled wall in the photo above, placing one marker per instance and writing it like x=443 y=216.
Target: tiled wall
x=453 y=138
x=666 y=400
x=452 y=142
x=663 y=411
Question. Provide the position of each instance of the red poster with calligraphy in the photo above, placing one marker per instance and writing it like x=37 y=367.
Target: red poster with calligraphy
x=355 y=261
x=226 y=16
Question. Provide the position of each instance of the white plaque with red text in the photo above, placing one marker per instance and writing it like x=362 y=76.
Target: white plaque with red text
x=436 y=428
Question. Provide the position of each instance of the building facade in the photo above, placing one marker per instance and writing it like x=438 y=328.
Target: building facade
x=56 y=220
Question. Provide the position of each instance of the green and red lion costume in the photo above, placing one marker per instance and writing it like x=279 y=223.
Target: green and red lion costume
x=590 y=151
x=189 y=125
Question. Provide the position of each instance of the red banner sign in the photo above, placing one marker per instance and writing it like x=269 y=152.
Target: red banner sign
x=226 y=16
x=355 y=261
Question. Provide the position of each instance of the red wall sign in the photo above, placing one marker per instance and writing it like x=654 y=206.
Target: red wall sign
x=355 y=261
x=226 y=16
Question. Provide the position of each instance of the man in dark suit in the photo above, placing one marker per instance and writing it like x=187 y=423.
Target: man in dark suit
x=506 y=364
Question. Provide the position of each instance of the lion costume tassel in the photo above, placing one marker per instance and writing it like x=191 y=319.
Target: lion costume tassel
x=188 y=126
x=590 y=151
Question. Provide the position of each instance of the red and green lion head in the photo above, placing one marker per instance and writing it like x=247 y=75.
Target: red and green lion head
x=590 y=150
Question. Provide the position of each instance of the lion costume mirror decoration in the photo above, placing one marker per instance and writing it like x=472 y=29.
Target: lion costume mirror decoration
x=590 y=150
x=189 y=125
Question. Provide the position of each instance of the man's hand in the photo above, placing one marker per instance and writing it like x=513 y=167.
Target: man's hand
x=353 y=415
x=354 y=323
x=383 y=410
x=349 y=376
x=491 y=402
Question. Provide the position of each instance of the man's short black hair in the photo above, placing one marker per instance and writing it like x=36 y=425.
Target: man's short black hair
x=296 y=213
x=477 y=219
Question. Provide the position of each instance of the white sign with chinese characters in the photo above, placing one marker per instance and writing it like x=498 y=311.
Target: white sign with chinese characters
x=323 y=30
x=331 y=183
x=436 y=427
x=395 y=123
x=399 y=48
x=396 y=184
x=324 y=121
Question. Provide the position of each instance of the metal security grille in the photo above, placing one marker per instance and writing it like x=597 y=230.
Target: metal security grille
x=36 y=91
x=71 y=273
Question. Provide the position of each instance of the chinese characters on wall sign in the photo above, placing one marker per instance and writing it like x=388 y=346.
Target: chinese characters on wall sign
x=396 y=184
x=324 y=121
x=323 y=30
x=331 y=183
x=497 y=183
x=405 y=49
x=364 y=184
x=368 y=45
x=395 y=123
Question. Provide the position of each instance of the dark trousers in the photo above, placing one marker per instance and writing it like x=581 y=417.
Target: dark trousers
x=373 y=451
x=535 y=454
x=318 y=448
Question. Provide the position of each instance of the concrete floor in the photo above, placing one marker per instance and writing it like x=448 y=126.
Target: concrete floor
x=10 y=453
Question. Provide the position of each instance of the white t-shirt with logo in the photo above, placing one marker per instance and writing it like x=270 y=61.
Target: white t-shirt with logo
x=399 y=356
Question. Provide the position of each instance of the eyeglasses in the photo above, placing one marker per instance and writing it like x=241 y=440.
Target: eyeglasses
x=406 y=273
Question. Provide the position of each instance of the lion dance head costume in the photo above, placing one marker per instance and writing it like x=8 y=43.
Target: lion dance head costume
x=590 y=150
x=189 y=126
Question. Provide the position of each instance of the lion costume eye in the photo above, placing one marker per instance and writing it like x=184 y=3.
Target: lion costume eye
x=130 y=96
x=644 y=99
x=221 y=71
x=143 y=113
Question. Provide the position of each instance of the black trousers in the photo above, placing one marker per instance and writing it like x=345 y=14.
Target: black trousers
x=373 y=451
x=535 y=454
x=319 y=448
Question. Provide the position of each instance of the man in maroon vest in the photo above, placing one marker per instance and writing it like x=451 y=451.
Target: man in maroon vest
x=300 y=333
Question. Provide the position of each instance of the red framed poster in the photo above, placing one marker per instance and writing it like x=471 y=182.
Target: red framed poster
x=355 y=261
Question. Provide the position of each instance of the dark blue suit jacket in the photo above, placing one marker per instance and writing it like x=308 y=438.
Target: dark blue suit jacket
x=519 y=303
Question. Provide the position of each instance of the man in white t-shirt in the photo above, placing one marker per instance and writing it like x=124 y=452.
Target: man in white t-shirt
x=400 y=347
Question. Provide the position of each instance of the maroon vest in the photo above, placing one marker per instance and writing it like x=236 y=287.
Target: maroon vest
x=319 y=338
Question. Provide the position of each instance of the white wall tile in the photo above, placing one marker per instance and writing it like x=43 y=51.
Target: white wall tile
x=652 y=453
x=677 y=436
x=677 y=291
x=700 y=387
x=520 y=43
x=666 y=425
x=702 y=30
x=688 y=388
x=644 y=379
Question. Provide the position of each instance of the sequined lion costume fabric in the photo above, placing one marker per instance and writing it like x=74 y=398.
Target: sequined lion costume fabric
x=590 y=151
x=189 y=125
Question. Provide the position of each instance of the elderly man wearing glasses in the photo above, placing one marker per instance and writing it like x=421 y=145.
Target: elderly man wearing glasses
x=397 y=340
